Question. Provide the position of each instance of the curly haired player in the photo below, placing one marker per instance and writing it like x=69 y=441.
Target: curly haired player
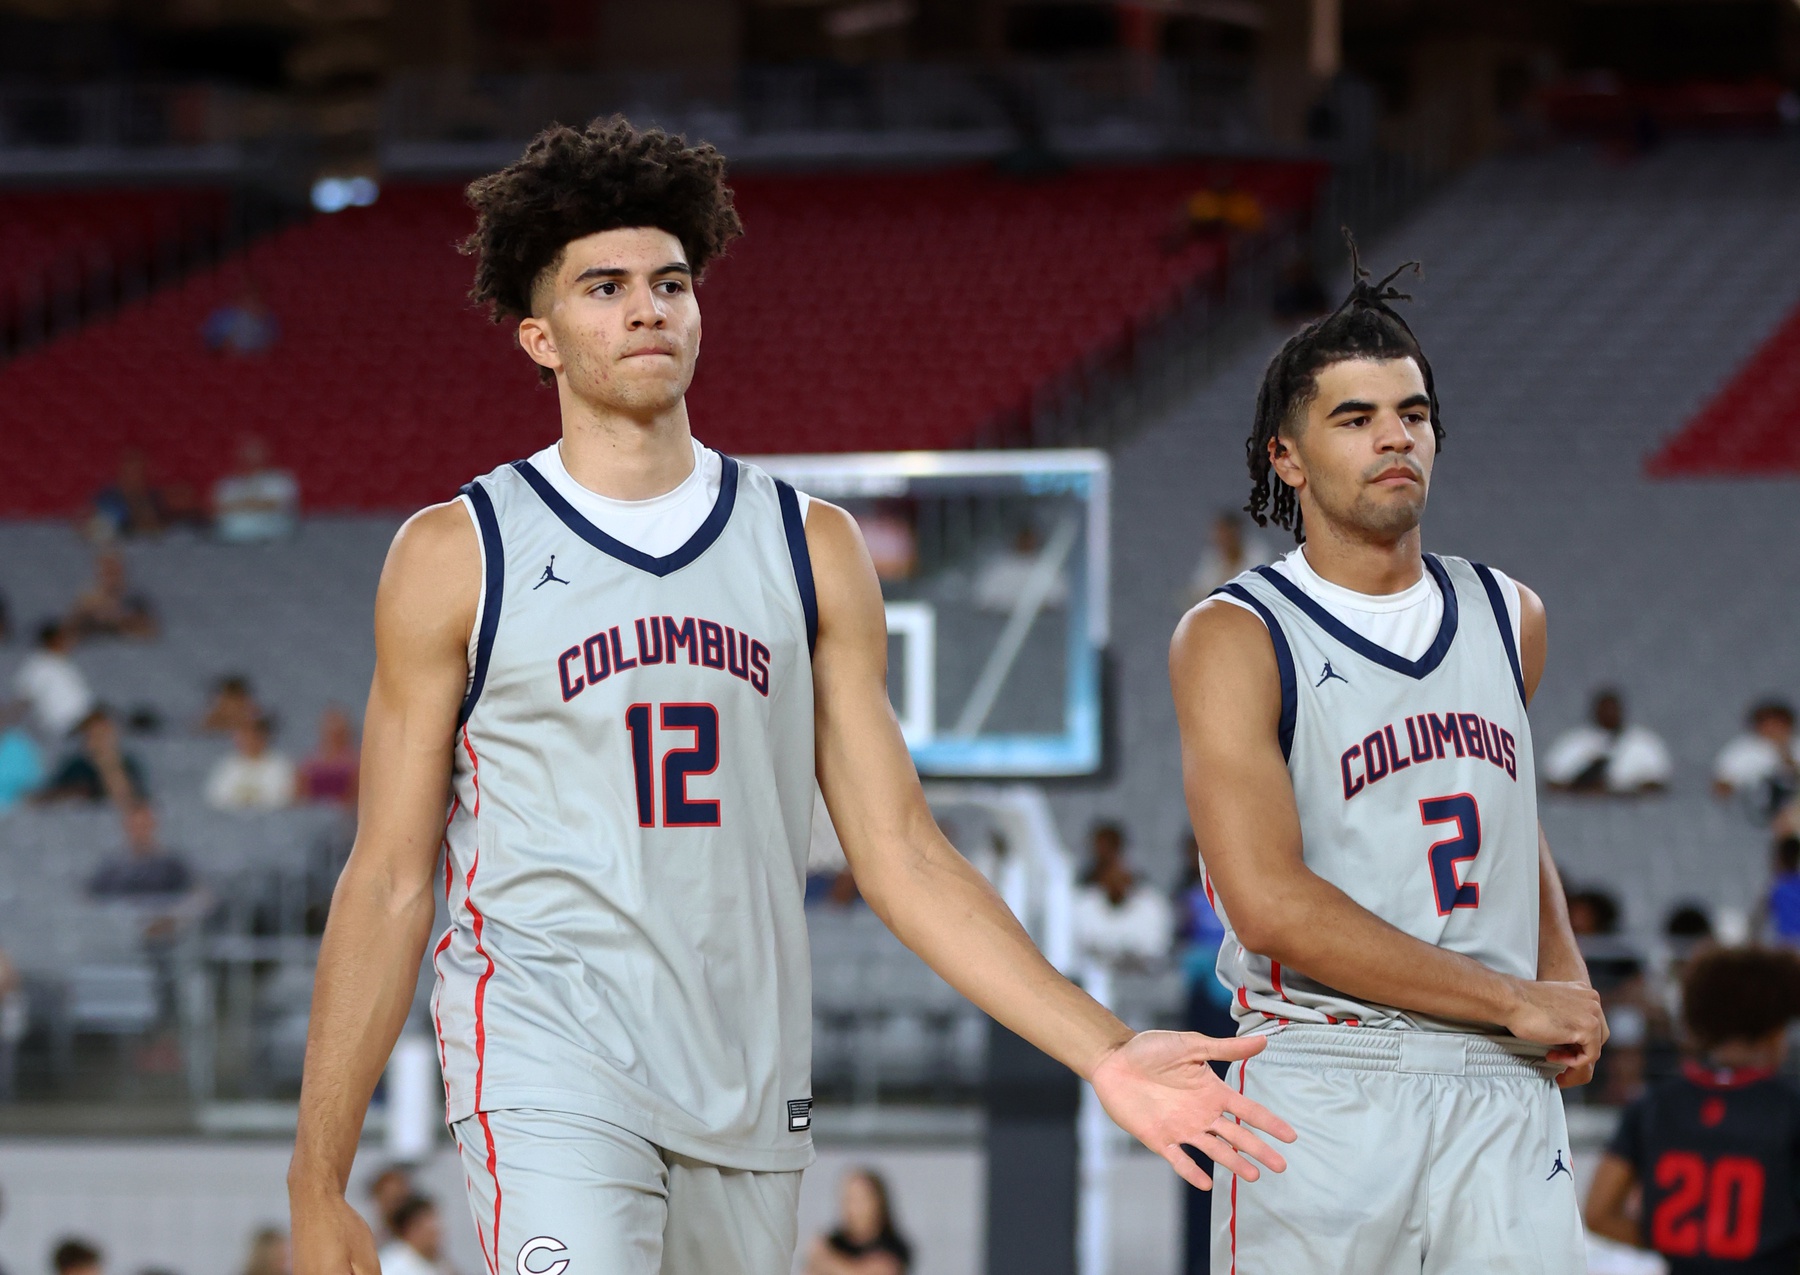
x=620 y=665
x=1715 y=1151
x=1358 y=766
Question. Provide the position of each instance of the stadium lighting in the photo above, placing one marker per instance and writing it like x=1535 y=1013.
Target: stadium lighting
x=334 y=194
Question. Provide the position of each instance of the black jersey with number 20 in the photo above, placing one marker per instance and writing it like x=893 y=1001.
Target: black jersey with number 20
x=1716 y=1152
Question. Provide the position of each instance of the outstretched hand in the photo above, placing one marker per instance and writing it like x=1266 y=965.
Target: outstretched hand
x=1158 y=1088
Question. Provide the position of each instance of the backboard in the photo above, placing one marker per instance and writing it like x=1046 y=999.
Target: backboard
x=993 y=566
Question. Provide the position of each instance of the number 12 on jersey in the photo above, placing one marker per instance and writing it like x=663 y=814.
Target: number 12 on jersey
x=701 y=722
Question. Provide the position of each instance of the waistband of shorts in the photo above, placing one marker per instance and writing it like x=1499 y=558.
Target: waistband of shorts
x=1419 y=1052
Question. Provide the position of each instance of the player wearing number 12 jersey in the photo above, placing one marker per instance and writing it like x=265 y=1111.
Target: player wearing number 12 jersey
x=606 y=679
x=1358 y=766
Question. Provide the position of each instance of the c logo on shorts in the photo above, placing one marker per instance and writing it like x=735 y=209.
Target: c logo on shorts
x=542 y=1244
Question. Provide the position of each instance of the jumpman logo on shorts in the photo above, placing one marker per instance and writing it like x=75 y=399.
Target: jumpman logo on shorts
x=1328 y=674
x=548 y=576
x=1559 y=1167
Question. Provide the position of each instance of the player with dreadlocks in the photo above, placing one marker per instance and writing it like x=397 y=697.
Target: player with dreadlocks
x=1358 y=766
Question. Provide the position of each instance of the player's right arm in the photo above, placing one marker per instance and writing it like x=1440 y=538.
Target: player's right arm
x=1241 y=799
x=1607 y=1201
x=382 y=908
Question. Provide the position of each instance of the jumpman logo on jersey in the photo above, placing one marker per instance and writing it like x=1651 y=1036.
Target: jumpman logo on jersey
x=548 y=576
x=1328 y=674
x=1559 y=1166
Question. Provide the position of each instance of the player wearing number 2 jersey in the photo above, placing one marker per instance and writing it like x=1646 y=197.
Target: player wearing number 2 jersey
x=606 y=679
x=1358 y=766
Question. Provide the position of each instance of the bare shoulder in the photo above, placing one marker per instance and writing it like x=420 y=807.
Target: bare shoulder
x=1534 y=638
x=432 y=578
x=832 y=534
x=1217 y=633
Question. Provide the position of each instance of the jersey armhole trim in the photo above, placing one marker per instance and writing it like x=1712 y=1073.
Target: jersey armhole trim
x=795 y=526
x=1284 y=663
x=1504 y=619
x=493 y=581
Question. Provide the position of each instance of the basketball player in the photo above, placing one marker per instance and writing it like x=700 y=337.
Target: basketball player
x=620 y=664
x=1358 y=766
x=1713 y=1154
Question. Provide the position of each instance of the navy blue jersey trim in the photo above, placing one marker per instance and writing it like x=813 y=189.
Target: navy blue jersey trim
x=697 y=544
x=1498 y=600
x=1421 y=667
x=795 y=526
x=493 y=556
x=1284 y=662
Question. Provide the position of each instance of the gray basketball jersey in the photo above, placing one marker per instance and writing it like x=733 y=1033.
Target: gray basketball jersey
x=1415 y=785
x=626 y=851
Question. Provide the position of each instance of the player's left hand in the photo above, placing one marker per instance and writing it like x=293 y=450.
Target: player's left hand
x=1158 y=1088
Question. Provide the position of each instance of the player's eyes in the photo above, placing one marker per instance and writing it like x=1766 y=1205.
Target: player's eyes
x=607 y=289
x=673 y=286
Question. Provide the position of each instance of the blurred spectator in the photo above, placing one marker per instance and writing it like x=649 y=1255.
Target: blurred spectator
x=14 y=1018
x=147 y=869
x=270 y=1253
x=1220 y=208
x=865 y=1241
x=418 y=1244
x=1198 y=933
x=256 y=501
x=21 y=766
x=1001 y=581
x=131 y=506
x=388 y=1190
x=1761 y=766
x=887 y=530
x=329 y=775
x=232 y=707
x=99 y=769
x=77 y=1257
x=1116 y=919
x=1617 y=972
x=1688 y=924
x=108 y=608
x=241 y=327
x=1606 y=755
x=5 y=620
x=1782 y=907
x=252 y=776
x=1233 y=546
x=51 y=685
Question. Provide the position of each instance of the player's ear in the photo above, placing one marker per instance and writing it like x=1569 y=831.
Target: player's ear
x=1285 y=462
x=536 y=340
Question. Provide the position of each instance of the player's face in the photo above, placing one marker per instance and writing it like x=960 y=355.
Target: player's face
x=618 y=322
x=1362 y=459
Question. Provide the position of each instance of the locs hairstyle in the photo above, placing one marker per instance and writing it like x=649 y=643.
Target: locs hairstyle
x=1364 y=326
x=571 y=183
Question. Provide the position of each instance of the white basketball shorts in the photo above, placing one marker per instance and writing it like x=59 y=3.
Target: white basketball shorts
x=1419 y=1153
x=559 y=1194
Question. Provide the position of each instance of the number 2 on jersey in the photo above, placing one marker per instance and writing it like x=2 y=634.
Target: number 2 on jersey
x=1443 y=857
x=678 y=764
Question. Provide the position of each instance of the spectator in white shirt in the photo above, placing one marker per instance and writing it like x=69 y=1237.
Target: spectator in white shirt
x=418 y=1244
x=1761 y=766
x=257 y=502
x=252 y=776
x=1233 y=548
x=52 y=687
x=1606 y=755
x=1118 y=920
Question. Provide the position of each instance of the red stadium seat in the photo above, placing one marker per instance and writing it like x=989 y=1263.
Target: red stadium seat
x=861 y=311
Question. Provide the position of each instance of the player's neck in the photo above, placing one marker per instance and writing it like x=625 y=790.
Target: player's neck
x=1746 y=1055
x=1365 y=566
x=624 y=458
